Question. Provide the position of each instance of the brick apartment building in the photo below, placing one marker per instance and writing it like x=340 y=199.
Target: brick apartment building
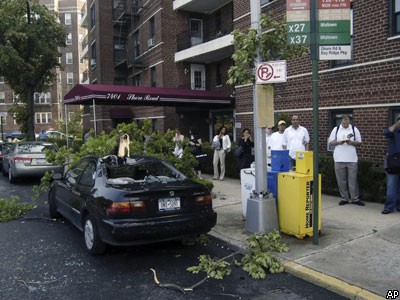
x=48 y=104
x=161 y=44
x=366 y=87
x=185 y=44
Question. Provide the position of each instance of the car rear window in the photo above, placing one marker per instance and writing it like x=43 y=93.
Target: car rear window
x=147 y=171
x=35 y=148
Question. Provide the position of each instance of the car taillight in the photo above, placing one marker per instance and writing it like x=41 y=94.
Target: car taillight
x=22 y=159
x=126 y=207
x=203 y=200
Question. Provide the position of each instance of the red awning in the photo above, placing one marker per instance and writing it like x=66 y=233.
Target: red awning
x=137 y=95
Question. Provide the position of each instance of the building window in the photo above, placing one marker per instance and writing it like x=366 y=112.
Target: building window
x=92 y=15
x=394 y=17
x=43 y=118
x=153 y=77
x=69 y=59
x=196 y=31
x=70 y=78
x=16 y=98
x=67 y=19
x=93 y=55
x=136 y=44
x=218 y=75
x=136 y=80
x=2 y=98
x=335 y=120
x=152 y=29
x=218 y=22
x=42 y=98
x=394 y=114
x=69 y=39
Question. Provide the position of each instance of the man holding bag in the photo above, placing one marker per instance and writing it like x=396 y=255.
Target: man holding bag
x=392 y=179
x=346 y=138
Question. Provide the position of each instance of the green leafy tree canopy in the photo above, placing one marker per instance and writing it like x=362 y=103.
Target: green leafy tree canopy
x=270 y=44
x=29 y=50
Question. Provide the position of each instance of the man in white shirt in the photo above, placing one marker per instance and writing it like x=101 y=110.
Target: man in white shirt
x=268 y=134
x=295 y=138
x=346 y=138
x=276 y=140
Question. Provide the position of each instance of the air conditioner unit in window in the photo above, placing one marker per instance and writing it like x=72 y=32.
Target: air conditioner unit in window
x=150 y=43
x=93 y=62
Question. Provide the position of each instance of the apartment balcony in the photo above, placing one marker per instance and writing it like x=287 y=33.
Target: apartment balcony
x=191 y=50
x=85 y=48
x=85 y=76
x=84 y=18
x=200 y=6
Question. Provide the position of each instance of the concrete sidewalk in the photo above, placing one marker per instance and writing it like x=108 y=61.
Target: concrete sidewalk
x=357 y=255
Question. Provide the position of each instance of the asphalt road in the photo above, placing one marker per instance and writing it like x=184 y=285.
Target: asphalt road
x=45 y=259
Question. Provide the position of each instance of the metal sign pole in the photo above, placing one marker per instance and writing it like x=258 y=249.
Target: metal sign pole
x=261 y=213
x=314 y=58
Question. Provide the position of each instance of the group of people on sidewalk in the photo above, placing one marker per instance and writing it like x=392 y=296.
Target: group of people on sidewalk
x=345 y=138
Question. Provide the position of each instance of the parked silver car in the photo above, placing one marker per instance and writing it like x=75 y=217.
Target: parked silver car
x=28 y=159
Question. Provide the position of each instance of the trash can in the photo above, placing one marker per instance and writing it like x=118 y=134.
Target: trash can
x=295 y=205
x=248 y=184
x=280 y=160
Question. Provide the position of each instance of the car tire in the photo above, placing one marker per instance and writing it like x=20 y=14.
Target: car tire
x=11 y=177
x=54 y=214
x=93 y=243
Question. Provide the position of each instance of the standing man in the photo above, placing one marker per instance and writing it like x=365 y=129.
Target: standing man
x=392 y=180
x=268 y=134
x=346 y=138
x=295 y=138
x=276 y=140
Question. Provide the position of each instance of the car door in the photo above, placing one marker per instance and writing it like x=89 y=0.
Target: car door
x=82 y=191
x=65 y=190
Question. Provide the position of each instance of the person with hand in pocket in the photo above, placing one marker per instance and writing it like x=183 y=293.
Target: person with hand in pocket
x=220 y=152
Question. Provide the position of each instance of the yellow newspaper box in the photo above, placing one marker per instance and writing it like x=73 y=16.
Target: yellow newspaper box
x=295 y=205
x=304 y=162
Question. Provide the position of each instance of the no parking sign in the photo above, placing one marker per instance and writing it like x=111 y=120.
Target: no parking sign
x=271 y=72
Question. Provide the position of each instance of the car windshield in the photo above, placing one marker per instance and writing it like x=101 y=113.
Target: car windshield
x=34 y=148
x=147 y=171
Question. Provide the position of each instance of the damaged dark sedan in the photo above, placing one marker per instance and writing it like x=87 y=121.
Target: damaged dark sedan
x=137 y=201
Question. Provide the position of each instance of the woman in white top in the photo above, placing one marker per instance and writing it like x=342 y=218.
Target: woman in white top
x=220 y=152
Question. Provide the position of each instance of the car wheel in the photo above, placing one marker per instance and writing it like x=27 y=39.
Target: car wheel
x=11 y=177
x=94 y=244
x=54 y=214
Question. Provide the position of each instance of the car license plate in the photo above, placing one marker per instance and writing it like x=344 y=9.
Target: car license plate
x=41 y=161
x=168 y=204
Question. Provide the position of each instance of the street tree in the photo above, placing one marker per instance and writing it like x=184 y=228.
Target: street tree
x=270 y=44
x=30 y=37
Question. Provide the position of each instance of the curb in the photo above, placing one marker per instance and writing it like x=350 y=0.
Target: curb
x=330 y=283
